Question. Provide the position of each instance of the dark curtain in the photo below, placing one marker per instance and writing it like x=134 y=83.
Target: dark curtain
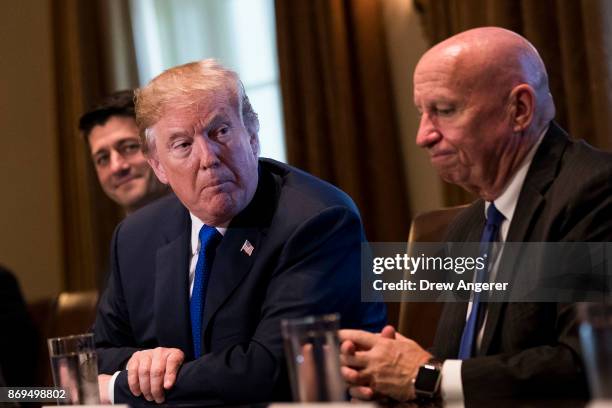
x=340 y=121
x=83 y=74
x=574 y=39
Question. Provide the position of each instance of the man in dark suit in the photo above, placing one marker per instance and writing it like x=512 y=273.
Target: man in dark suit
x=486 y=121
x=201 y=279
x=110 y=132
x=111 y=135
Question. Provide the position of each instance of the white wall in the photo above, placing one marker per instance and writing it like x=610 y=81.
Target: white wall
x=30 y=229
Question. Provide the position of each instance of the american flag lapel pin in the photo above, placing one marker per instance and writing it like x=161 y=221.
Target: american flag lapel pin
x=247 y=248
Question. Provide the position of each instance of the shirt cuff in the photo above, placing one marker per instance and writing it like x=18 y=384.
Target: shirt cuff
x=111 y=387
x=451 y=387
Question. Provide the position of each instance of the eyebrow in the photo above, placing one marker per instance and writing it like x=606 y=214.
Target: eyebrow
x=176 y=133
x=216 y=120
x=126 y=140
x=100 y=153
x=119 y=142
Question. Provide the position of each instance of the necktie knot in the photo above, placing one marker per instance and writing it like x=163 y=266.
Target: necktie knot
x=494 y=217
x=209 y=236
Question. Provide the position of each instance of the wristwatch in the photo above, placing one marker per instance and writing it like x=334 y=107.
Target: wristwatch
x=427 y=381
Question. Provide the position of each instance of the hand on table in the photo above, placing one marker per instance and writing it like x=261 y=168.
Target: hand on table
x=384 y=364
x=150 y=372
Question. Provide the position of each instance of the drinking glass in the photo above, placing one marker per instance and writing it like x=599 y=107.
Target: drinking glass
x=74 y=364
x=312 y=350
x=596 y=341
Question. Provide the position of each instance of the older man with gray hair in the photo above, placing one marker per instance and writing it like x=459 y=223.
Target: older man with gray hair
x=486 y=122
x=201 y=279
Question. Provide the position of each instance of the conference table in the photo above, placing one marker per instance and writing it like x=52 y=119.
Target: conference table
x=496 y=403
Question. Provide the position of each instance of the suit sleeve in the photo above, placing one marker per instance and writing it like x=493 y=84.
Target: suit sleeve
x=552 y=370
x=114 y=341
x=317 y=272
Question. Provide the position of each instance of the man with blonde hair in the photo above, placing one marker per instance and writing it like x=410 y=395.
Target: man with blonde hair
x=201 y=279
x=486 y=122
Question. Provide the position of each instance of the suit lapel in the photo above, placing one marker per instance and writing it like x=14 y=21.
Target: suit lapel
x=450 y=329
x=466 y=230
x=540 y=176
x=528 y=206
x=230 y=266
x=173 y=325
x=232 y=263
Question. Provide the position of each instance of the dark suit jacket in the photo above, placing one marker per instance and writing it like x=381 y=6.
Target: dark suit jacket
x=19 y=340
x=533 y=348
x=307 y=237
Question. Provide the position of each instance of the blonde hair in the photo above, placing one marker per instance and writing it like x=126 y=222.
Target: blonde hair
x=184 y=86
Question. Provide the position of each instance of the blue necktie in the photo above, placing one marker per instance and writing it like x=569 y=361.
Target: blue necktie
x=490 y=234
x=209 y=238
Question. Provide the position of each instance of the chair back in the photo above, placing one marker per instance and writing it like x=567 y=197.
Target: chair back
x=418 y=320
x=69 y=313
x=74 y=313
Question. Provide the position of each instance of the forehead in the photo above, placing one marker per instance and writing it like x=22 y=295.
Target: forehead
x=193 y=111
x=116 y=129
x=443 y=76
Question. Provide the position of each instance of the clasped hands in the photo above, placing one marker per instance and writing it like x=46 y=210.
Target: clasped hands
x=150 y=373
x=378 y=366
x=374 y=365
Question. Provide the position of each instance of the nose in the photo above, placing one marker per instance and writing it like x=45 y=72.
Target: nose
x=427 y=135
x=118 y=162
x=208 y=152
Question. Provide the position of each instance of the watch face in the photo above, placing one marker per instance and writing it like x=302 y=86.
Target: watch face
x=427 y=380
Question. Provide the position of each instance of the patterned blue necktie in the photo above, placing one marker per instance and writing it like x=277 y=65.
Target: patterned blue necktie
x=209 y=239
x=490 y=234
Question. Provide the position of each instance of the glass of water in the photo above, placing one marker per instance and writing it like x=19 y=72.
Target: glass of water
x=74 y=364
x=596 y=342
x=312 y=350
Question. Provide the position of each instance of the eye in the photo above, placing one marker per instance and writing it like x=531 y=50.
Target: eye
x=221 y=133
x=222 y=130
x=101 y=160
x=130 y=148
x=181 y=145
x=444 y=110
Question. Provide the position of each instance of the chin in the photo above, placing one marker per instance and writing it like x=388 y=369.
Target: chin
x=453 y=175
x=449 y=178
x=221 y=207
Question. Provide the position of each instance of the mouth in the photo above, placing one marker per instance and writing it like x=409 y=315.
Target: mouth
x=126 y=180
x=440 y=155
x=219 y=185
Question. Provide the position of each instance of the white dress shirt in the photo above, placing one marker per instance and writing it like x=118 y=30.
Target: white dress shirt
x=196 y=225
x=451 y=386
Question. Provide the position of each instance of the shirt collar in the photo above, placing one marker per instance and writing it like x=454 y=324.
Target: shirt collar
x=196 y=226
x=506 y=202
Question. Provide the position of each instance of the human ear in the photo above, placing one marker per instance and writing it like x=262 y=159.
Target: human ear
x=254 y=142
x=157 y=167
x=522 y=102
